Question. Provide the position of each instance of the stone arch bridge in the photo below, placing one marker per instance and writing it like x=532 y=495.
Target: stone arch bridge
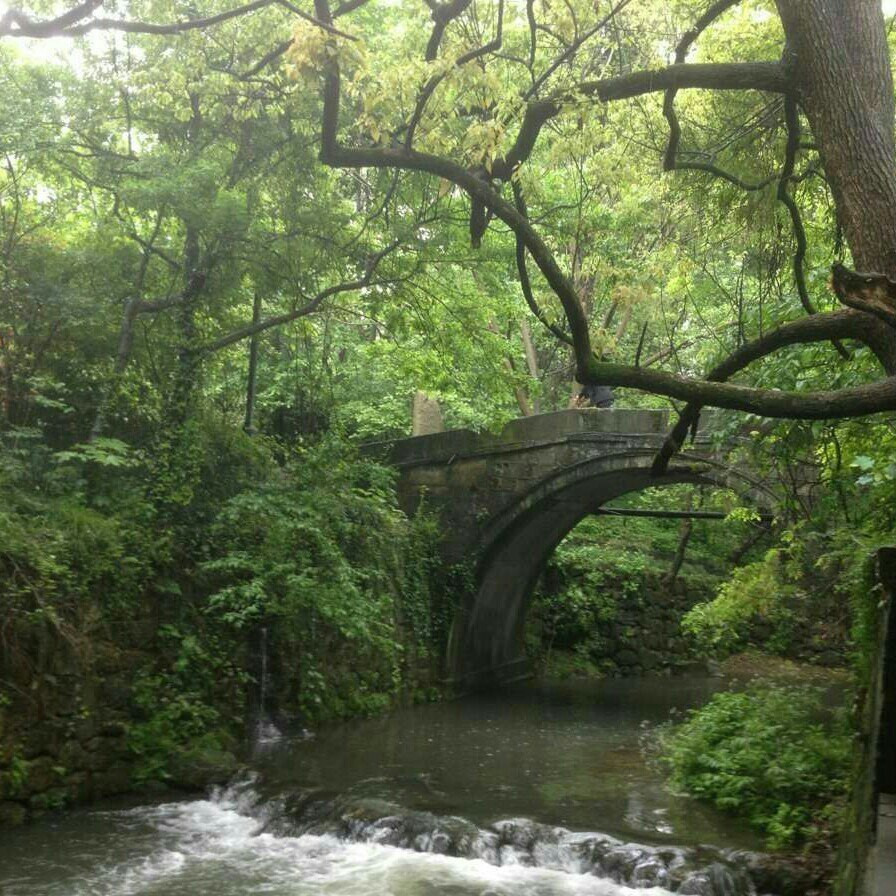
x=506 y=501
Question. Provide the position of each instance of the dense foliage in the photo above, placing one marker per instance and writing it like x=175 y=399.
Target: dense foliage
x=767 y=753
x=307 y=541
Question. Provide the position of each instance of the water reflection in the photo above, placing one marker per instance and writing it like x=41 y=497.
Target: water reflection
x=562 y=753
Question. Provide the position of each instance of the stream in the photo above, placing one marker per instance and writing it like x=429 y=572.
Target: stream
x=536 y=790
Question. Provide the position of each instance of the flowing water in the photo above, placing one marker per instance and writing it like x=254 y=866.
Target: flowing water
x=536 y=791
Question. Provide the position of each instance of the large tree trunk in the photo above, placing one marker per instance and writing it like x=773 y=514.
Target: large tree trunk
x=840 y=64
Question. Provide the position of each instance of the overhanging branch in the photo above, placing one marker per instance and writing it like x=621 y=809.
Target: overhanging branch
x=855 y=401
x=848 y=402
x=817 y=328
x=77 y=22
x=766 y=76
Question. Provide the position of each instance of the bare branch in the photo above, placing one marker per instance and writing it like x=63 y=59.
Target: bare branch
x=77 y=22
x=310 y=307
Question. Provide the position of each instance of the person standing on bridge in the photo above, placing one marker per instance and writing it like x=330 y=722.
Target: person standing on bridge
x=596 y=396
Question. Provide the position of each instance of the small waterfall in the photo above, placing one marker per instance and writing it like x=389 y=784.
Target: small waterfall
x=266 y=732
x=263 y=683
x=527 y=845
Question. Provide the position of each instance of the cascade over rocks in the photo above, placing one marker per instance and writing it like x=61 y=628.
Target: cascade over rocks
x=689 y=871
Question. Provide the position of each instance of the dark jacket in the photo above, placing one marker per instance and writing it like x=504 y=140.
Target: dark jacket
x=599 y=396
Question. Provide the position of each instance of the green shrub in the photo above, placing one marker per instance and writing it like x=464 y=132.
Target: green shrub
x=178 y=704
x=759 y=590
x=323 y=552
x=772 y=755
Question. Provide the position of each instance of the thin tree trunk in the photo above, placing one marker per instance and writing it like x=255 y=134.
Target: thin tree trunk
x=522 y=399
x=122 y=357
x=187 y=361
x=685 y=531
x=531 y=360
x=249 y=422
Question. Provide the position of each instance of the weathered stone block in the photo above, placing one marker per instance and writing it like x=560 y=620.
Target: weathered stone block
x=77 y=787
x=73 y=755
x=40 y=774
x=427 y=476
x=113 y=780
x=12 y=814
x=426 y=415
x=467 y=473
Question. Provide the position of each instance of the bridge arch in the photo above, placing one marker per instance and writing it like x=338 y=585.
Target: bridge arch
x=486 y=643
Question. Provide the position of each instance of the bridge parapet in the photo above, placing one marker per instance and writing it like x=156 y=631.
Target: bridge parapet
x=531 y=431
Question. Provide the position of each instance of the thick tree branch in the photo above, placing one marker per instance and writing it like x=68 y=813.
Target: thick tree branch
x=767 y=76
x=77 y=21
x=442 y=14
x=817 y=328
x=855 y=401
x=722 y=174
x=849 y=402
x=792 y=120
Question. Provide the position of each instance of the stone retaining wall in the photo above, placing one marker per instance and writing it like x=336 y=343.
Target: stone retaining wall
x=63 y=740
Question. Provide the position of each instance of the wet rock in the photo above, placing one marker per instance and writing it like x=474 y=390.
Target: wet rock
x=650 y=871
x=717 y=879
x=12 y=814
x=197 y=769
x=486 y=846
x=619 y=862
x=113 y=780
x=40 y=775
x=701 y=871
x=697 y=884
